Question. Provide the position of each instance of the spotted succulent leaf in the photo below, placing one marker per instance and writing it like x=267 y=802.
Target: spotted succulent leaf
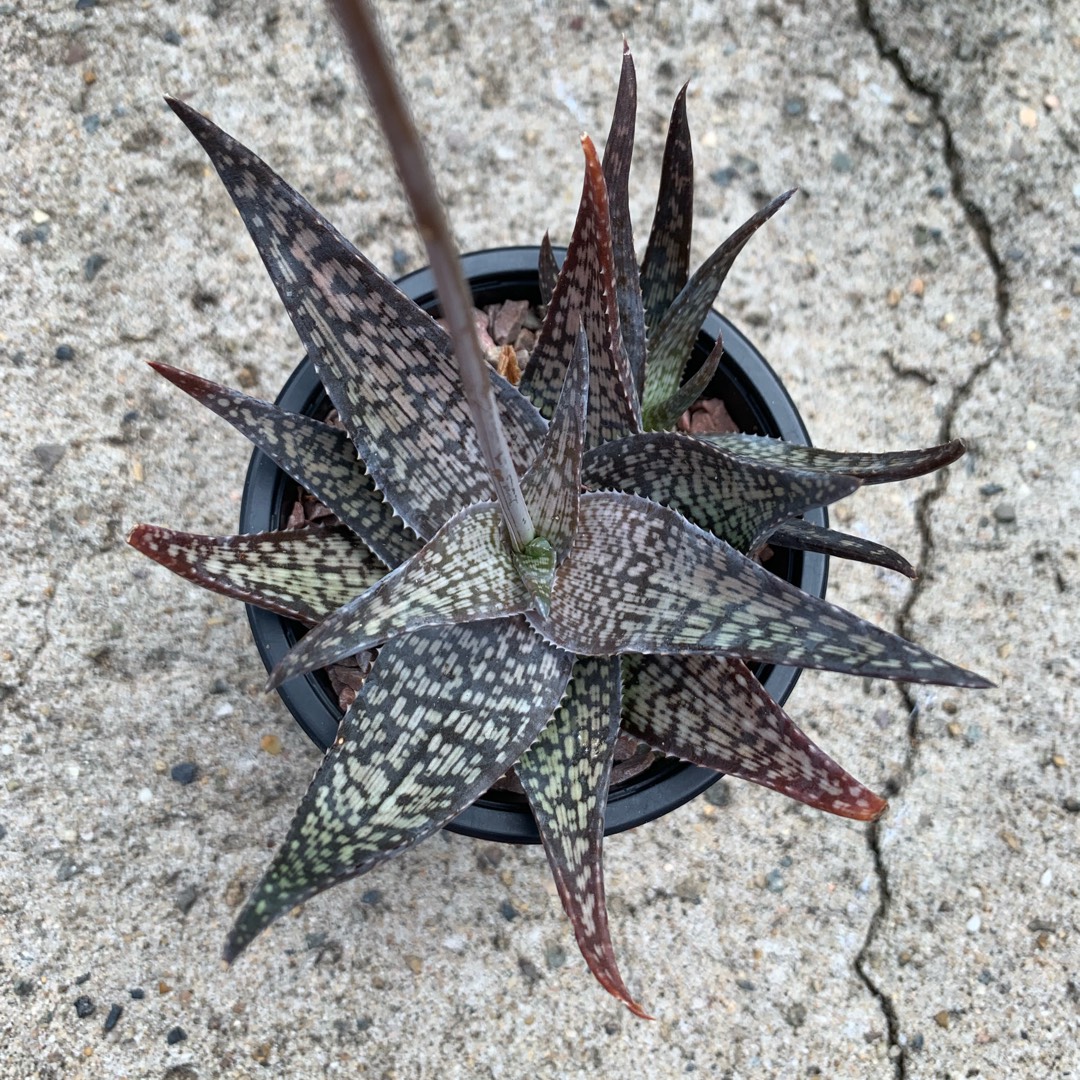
x=443 y=714
x=711 y=711
x=553 y=483
x=381 y=359
x=666 y=266
x=740 y=501
x=665 y=415
x=641 y=578
x=618 y=151
x=548 y=270
x=565 y=775
x=806 y=536
x=673 y=341
x=464 y=573
x=869 y=468
x=585 y=296
x=317 y=456
x=303 y=574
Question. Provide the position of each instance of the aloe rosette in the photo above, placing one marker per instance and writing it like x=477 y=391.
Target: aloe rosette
x=636 y=603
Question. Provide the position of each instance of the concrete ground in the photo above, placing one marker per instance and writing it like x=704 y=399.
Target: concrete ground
x=924 y=285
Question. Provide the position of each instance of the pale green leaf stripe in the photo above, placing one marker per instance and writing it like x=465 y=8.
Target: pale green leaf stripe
x=443 y=714
x=710 y=710
x=463 y=574
x=303 y=574
x=640 y=578
x=565 y=774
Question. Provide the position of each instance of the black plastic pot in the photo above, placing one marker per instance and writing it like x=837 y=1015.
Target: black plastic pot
x=757 y=402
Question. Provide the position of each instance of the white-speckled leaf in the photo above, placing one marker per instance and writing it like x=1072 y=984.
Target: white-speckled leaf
x=673 y=340
x=640 y=578
x=553 y=483
x=317 y=456
x=385 y=364
x=565 y=775
x=710 y=710
x=618 y=151
x=303 y=574
x=805 y=536
x=666 y=265
x=443 y=714
x=869 y=468
x=463 y=574
x=740 y=501
x=585 y=295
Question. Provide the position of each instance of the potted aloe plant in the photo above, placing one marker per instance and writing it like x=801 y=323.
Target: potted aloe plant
x=644 y=784
x=525 y=570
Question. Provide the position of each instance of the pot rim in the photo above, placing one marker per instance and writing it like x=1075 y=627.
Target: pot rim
x=668 y=783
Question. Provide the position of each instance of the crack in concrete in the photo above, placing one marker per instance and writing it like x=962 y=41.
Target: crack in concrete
x=978 y=221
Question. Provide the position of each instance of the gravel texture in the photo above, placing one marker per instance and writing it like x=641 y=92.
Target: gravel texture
x=924 y=284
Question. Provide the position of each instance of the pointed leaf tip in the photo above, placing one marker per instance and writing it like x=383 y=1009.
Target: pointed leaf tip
x=565 y=775
x=443 y=714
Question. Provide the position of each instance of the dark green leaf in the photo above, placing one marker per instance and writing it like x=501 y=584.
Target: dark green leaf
x=670 y=346
x=443 y=714
x=618 y=150
x=303 y=574
x=317 y=456
x=666 y=265
x=548 y=269
x=804 y=536
x=565 y=774
x=463 y=574
x=740 y=501
x=710 y=710
x=869 y=468
x=640 y=578
x=384 y=362
x=666 y=415
x=585 y=295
